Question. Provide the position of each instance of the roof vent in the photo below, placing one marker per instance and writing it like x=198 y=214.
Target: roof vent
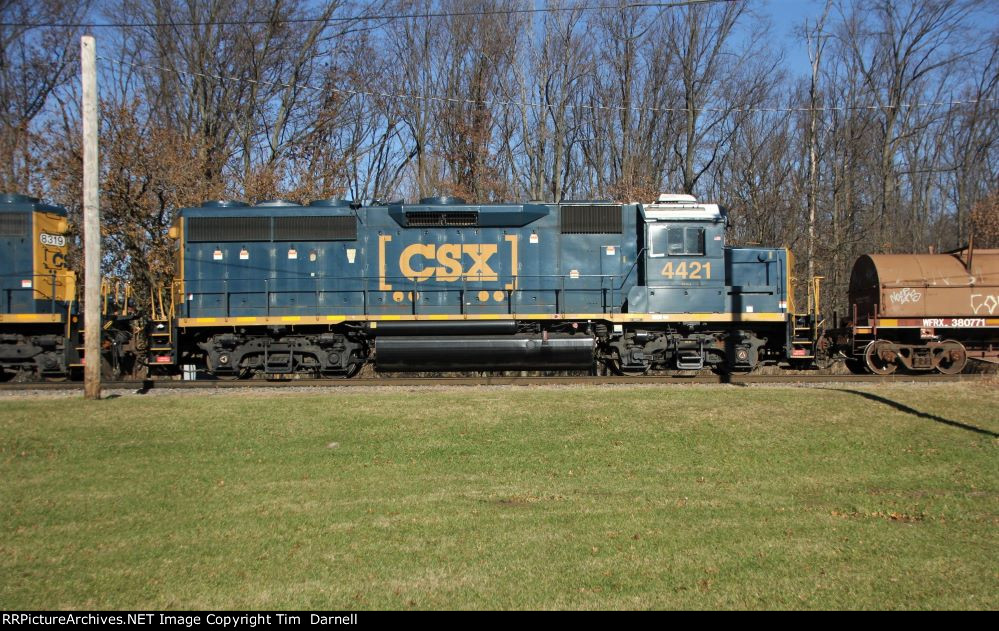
x=443 y=200
x=277 y=202
x=223 y=203
x=332 y=202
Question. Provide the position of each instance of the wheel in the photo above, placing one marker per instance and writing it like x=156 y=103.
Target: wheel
x=353 y=369
x=857 y=367
x=952 y=357
x=629 y=371
x=232 y=376
x=108 y=370
x=873 y=360
x=824 y=359
x=722 y=370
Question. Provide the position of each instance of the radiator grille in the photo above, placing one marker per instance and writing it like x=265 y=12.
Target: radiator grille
x=14 y=224
x=229 y=229
x=315 y=228
x=591 y=219
x=436 y=218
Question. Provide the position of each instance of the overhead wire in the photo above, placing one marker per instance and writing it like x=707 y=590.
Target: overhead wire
x=532 y=105
x=363 y=17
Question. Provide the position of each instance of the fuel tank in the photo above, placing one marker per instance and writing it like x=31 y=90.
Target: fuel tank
x=482 y=352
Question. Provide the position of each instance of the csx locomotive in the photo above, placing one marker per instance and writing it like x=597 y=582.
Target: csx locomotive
x=41 y=332
x=442 y=285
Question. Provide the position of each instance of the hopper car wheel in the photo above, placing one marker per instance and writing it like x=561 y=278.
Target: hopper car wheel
x=953 y=357
x=873 y=361
x=857 y=367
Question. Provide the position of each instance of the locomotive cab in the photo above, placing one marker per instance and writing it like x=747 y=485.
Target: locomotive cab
x=684 y=257
x=703 y=304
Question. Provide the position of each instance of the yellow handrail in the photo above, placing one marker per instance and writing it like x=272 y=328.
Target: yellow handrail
x=817 y=291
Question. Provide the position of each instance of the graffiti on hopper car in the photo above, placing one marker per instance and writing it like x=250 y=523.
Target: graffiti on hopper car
x=984 y=303
x=905 y=295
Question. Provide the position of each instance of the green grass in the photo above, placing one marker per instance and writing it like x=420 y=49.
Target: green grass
x=680 y=497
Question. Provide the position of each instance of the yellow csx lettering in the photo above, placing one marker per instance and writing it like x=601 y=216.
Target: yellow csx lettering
x=451 y=266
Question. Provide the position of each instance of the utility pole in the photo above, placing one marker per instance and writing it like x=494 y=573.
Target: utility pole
x=91 y=225
x=815 y=56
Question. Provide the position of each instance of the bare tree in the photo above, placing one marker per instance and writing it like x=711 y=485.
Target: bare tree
x=700 y=38
x=901 y=48
x=34 y=63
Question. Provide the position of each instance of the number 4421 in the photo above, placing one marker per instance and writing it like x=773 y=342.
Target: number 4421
x=693 y=270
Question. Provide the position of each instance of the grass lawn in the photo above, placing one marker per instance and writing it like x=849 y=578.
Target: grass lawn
x=603 y=497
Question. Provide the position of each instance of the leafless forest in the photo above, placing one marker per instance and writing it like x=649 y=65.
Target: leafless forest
x=889 y=143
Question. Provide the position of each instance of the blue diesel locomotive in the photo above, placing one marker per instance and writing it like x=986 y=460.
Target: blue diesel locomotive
x=41 y=333
x=280 y=288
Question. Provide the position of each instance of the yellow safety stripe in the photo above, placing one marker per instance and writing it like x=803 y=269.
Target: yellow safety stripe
x=608 y=317
x=31 y=318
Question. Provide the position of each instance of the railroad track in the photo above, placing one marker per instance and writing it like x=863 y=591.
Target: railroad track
x=168 y=384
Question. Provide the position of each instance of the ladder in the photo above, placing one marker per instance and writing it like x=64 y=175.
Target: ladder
x=115 y=298
x=805 y=326
x=161 y=329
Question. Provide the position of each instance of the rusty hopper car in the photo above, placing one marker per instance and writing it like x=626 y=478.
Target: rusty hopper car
x=921 y=312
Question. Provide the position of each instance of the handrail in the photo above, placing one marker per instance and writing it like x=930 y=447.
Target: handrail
x=58 y=280
x=556 y=283
x=631 y=269
x=362 y=285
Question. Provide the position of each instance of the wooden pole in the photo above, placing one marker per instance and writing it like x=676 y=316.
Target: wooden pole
x=91 y=225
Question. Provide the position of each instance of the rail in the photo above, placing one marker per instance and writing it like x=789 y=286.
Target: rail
x=817 y=380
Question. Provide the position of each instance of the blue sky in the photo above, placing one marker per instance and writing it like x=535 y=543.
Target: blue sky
x=787 y=15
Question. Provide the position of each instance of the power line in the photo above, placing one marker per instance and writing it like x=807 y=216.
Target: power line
x=363 y=17
x=571 y=106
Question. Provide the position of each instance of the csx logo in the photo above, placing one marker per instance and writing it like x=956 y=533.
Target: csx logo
x=448 y=262
x=416 y=260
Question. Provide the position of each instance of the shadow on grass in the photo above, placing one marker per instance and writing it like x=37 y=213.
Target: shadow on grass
x=905 y=408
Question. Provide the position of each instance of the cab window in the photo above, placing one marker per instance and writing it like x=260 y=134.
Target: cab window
x=676 y=241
